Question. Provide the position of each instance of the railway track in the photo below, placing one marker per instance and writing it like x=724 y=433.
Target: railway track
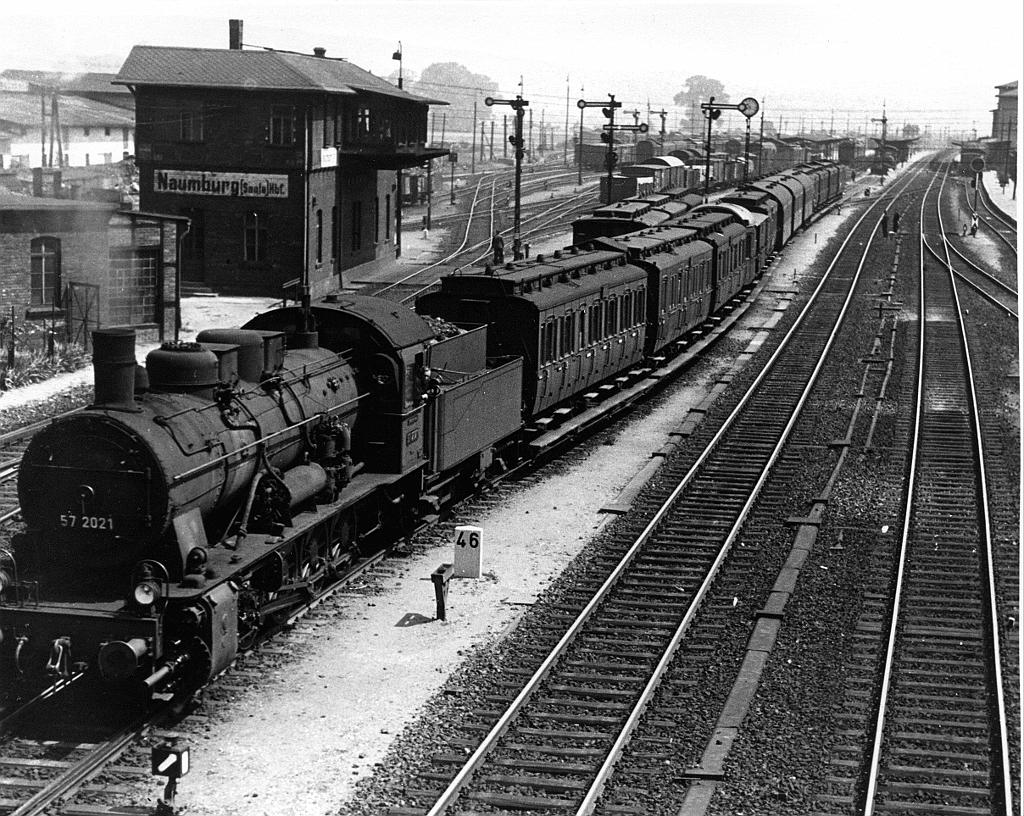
x=476 y=228
x=989 y=286
x=88 y=768
x=1001 y=224
x=941 y=735
x=925 y=684
x=550 y=735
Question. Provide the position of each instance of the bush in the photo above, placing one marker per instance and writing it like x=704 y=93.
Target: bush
x=34 y=366
x=33 y=361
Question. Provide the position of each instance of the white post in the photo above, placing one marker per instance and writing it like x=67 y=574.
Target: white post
x=469 y=543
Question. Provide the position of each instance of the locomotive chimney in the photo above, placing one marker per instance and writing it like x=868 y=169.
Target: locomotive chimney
x=235 y=35
x=113 y=360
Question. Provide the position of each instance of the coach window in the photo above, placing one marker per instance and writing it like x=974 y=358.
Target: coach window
x=548 y=341
x=45 y=271
x=664 y=295
x=582 y=324
x=387 y=217
x=626 y=310
x=376 y=220
x=255 y=236
x=639 y=308
x=595 y=322
x=611 y=315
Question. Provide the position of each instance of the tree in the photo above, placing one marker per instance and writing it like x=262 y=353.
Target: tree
x=699 y=88
x=459 y=87
x=408 y=78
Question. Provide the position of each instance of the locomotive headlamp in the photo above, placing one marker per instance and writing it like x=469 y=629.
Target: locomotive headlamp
x=146 y=593
x=148 y=582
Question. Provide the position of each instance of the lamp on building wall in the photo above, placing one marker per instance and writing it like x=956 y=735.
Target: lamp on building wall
x=398 y=56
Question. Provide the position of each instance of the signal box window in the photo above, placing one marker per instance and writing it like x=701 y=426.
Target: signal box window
x=45 y=271
x=255 y=236
x=191 y=125
x=282 y=125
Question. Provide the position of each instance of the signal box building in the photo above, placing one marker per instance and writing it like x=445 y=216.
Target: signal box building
x=283 y=162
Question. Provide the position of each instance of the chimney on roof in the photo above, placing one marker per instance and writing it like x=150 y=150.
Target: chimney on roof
x=319 y=52
x=235 y=35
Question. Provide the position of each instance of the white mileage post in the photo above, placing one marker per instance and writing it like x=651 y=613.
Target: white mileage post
x=469 y=547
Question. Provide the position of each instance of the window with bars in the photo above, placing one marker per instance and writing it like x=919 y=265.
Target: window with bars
x=319 y=236
x=334 y=232
x=255 y=236
x=357 y=225
x=134 y=286
x=45 y=262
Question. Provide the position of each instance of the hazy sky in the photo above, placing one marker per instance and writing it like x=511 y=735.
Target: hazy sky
x=931 y=63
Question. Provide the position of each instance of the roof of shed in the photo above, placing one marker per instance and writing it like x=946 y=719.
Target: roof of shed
x=23 y=109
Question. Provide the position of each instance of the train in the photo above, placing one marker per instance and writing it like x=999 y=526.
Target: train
x=796 y=194
x=207 y=495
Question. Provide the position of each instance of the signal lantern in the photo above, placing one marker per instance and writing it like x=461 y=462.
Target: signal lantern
x=607 y=112
x=606 y=138
x=715 y=113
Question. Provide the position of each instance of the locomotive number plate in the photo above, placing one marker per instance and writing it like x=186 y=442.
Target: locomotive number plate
x=72 y=521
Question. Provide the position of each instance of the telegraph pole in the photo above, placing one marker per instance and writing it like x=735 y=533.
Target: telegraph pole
x=579 y=163
x=517 y=104
x=663 y=114
x=760 y=142
x=565 y=145
x=472 y=160
x=608 y=132
x=712 y=113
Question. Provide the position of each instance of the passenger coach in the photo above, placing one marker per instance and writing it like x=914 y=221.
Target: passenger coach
x=575 y=319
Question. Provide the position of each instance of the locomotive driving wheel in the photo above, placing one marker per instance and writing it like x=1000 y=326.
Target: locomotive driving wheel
x=316 y=560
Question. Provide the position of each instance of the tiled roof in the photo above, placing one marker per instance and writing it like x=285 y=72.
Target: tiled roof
x=262 y=70
x=23 y=109
x=12 y=202
x=91 y=82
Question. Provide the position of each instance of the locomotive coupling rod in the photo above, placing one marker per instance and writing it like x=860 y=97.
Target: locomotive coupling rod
x=440 y=577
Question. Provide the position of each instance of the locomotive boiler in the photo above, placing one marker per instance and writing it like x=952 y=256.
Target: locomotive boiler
x=225 y=484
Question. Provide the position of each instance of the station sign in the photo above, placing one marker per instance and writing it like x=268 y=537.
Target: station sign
x=225 y=185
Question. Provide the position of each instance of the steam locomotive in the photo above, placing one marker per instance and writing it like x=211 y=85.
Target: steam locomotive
x=208 y=494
